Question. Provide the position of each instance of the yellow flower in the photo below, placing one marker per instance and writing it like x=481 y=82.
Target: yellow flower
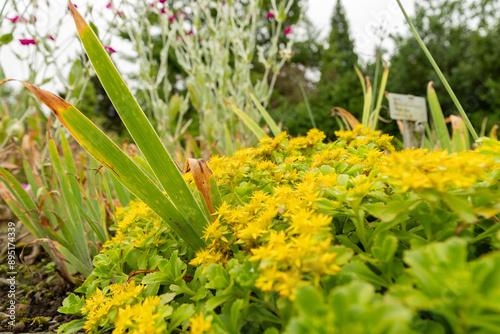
x=142 y=318
x=99 y=306
x=437 y=170
x=200 y=324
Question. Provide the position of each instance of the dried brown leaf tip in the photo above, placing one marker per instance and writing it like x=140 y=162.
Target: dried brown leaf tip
x=55 y=103
x=79 y=20
x=201 y=175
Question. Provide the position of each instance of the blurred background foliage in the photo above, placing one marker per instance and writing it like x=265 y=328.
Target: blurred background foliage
x=462 y=36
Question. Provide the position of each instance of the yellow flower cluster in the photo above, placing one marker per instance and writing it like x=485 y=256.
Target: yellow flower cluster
x=132 y=223
x=142 y=318
x=278 y=227
x=365 y=136
x=437 y=170
x=100 y=304
x=200 y=324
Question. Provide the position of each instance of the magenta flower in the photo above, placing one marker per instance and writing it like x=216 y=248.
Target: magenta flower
x=24 y=185
x=109 y=49
x=152 y=4
x=162 y=1
x=270 y=15
x=288 y=30
x=108 y=5
x=190 y=32
x=73 y=5
x=171 y=18
x=27 y=41
x=162 y=11
x=14 y=19
x=51 y=37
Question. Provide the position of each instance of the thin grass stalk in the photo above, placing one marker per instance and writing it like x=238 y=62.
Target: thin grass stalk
x=439 y=73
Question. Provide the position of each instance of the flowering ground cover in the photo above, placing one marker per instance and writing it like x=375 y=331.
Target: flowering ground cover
x=308 y=237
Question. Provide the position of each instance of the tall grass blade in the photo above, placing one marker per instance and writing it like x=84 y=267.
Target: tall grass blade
x=139 y=126
x=361 y=79
x=368 y=103
x=378 y=106
x=269 y=120
x=443 y=136
x=250 y=123
x=439 y=73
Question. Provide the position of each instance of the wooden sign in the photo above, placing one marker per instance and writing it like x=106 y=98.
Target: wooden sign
x=408 y=107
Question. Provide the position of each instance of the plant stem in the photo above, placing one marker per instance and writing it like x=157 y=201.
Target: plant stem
x=439 y=73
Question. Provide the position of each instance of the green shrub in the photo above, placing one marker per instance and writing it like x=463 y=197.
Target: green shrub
x=349 y=236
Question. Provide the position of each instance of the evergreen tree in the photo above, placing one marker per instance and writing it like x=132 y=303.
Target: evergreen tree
x=339 y=85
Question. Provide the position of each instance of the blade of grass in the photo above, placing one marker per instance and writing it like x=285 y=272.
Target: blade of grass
x=250 y=123
x=383 y=84
x=71 y=170
x=74 y=224
x=120 y=191
x=443 y=136
x=106 y=152
x=439 y=73
x=228 y=142
x=269 y=120
x=368 y=102
x=361 y=79
x=139 y=127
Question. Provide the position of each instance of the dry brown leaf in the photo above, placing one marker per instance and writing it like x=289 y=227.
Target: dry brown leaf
x=353 y=122
x=201 y=175
x=57 y=256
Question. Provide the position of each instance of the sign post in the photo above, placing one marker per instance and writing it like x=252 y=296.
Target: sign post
x=412 y=111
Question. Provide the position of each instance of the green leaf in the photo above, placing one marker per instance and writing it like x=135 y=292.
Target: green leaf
x=368 y=103
x=308 y=300
x=181 y=314
x=460 y=206
x=218 y=277
x=250 y=123
x=72 y=305
x=272 y=124
x=443 y=135
x=383 y=84
x=361 y=271
x=6 y=38
x=72 y=326
x=384 y=247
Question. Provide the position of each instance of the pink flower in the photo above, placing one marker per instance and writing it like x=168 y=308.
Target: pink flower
x=162 y=1
x=288 y=30
x=14 y=19
x=73 y=5
x=24 y=185
x=51 y=37
x=108 y=5
x=27 y=41
x=162 y=11
x=190 y=32
x=33 y=19
x=152 y=4
x=270 y=15
x=171 y=18
x=109 y=49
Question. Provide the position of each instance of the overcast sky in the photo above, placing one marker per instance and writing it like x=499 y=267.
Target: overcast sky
x=365 y=17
